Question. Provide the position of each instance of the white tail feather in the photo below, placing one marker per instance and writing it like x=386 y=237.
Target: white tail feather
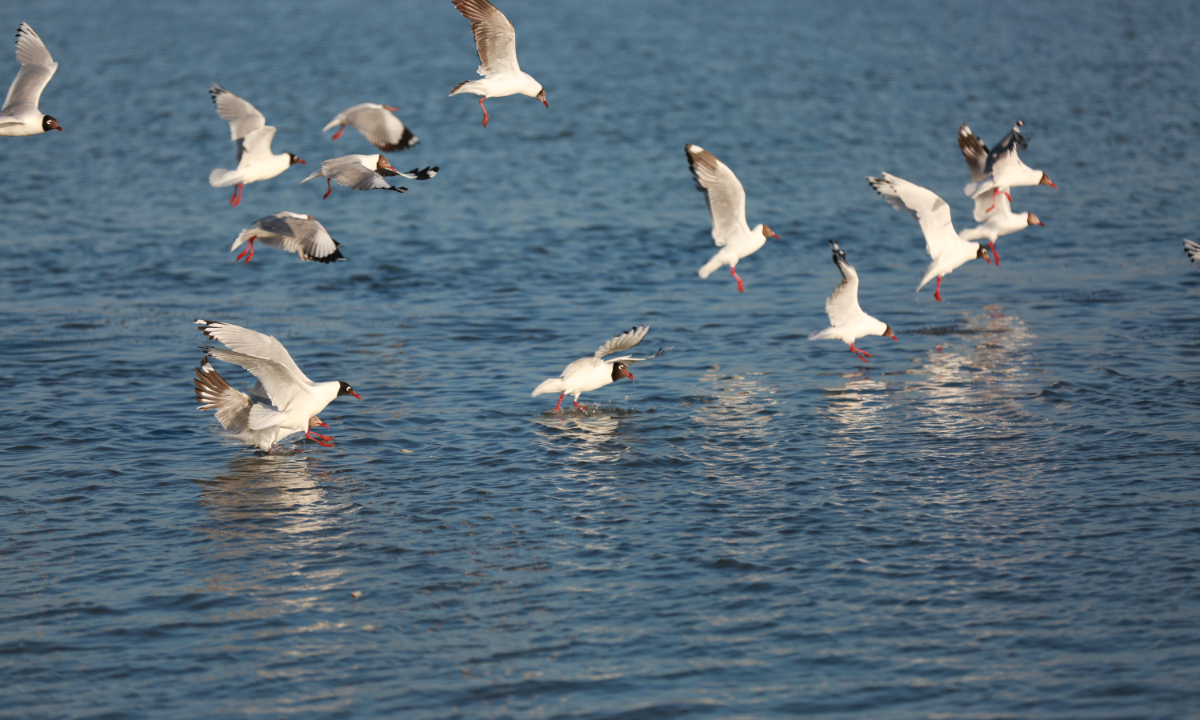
x=553 y=385
x=709 y=267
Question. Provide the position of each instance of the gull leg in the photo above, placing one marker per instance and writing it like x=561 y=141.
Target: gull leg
x=485 y=114
x=733 y=272
x=862 y=354
x=237 y=195
x=313 y=435
x=580 y=408
x=937 y=294
x=309 y=434
x=338 y=134
x=1008 y=196
x=248 y=251
x=328 y=184
x=995 y=191
x=992 y=245
x=560 y=397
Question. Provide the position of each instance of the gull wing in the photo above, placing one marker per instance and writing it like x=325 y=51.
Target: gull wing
x=247 y=341
x=842 y=305
x=495 y=37
x=243 y=117
x=1005 y=151
x=1192 y=249
x=631 y=360
x=213 y=393
x=256 y=147
x=722 y=191
x=929 y=210
x=379 y=126
x=624 y=341
x=974 y=152
x=37 y=67
x=281 y=384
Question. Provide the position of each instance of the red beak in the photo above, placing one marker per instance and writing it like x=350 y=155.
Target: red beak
x=896 y=338
x=776 y=236
x=389 y=108
x=301 y=161
x=629 y=375
x=322 y=423
x=356 y=395
x=543 y=102
x=60 y=128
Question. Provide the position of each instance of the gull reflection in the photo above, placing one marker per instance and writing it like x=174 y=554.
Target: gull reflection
x=857 y=407
x=734 y=417
x=265 y=514
x=589 y=437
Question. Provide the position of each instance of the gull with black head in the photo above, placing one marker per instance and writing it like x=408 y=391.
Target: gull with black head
x=496 y=45
x=594 y=372
x=249 y=129
x=847 y=321
x=20 y=116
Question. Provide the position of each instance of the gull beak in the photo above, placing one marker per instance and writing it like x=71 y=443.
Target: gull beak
x=543 y=102
x=356 y=395
x=1047 y=181
x=322 y=423
x=629 y=375
x=775 y=236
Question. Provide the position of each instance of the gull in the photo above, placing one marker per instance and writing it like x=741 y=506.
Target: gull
x=377 y=124
x=593 y=372
x=365 y=172
x=285 y=399
x=997 y=221
x=945 y=247
x=20 y=115
x=249 y=130
x=1000 y=168
x=233 y=411
x=290 y=232
x=727 y=204
x=1192 y=249
x=846 y=319
x=496 y=45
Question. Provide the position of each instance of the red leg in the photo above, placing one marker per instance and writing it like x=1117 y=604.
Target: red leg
x=992 y=245
x=578 y=407
x=310 y=434
x=560 y=397
x=1008 y=196
x=248 y=251
x=338 y=134
x=937 y=294
x=862 y=354
x=237 y=195
x=317 y=434
x=328 y=184
x=485 y=115
x=733 y=272
x=994 y=191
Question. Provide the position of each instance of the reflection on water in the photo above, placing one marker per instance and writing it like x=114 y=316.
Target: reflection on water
x=263 y=514
x=734 y=417
x=586 y=437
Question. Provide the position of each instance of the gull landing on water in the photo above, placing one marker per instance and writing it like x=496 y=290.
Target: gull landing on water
x=593 y=372
x=253 y=136
x=19 y=116
x=233 y=411
x=365 y=172
x=1000 y=168
x=286 y=401
x=726 y=201
x=946 y=249
x=290 y=232
x=377 y=124
x=496 y=45
x=846 y=319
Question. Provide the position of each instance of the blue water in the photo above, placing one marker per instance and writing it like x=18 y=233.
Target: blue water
x=997 y=518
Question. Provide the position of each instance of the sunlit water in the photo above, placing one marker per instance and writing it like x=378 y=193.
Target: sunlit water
x=996 y=518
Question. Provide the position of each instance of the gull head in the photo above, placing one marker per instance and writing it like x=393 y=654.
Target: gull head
x=542 y=96
x=983 y=254
x=344 y=389
x=1047 y=181
x=621 y=370
x=888 y=332
x=49 y=123
x=292 y=160
x=1033 y=220
x=768 y=232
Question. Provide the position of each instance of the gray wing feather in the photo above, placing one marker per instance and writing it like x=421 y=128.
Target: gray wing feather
x=37 y=67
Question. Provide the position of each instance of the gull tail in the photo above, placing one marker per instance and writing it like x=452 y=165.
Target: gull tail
x=224 y=178
x=823 y=334
x=553 y=385
x=709 y=267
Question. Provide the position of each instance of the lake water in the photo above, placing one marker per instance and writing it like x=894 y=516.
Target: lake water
x=997 y=518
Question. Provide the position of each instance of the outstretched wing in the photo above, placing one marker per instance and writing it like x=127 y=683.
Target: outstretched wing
x=631 y=360
x=280 y=382
x=842 y=305
x=495 y=37
x=383 y=129
x=37 y=67
x=247 y=341
x=351 y=173
x=929 y=210
x=624 y=341
x=256 y=147
x=722 y=191
x=243 y=117
x=974 y=152
x=419 y=174
x=213 y=393
x=1005 y=151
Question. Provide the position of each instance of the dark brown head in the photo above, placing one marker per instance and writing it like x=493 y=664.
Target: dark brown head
x=620 y=370
x=1033 y=220
x=383 y=167
x=1046 y=181
x=292 y=160
x=983 y=255
x=768 y=232
x=888 y=332
x=49 y=123
x=542 y=96
x=344 y=389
